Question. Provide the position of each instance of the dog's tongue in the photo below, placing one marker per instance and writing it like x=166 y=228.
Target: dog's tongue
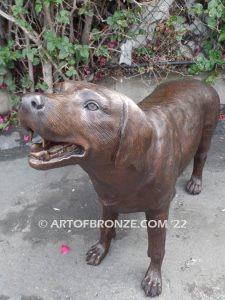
x=37 y=150
x=44 y=155
x=51 y=147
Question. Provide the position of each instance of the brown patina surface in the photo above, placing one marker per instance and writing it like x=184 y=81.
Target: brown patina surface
x=132 y=153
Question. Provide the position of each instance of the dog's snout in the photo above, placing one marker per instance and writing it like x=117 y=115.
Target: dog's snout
x=34 y=101
x=37 y=102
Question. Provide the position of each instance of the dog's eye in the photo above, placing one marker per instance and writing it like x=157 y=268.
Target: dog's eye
x=92 y=106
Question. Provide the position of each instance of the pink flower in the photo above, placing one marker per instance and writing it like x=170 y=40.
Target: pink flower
x=222 y=118
x=1 y=120
x=112 y=44
x=223 y=56
x=3 y=86
x=87 y=70
x=26 y=138
x=7 y=128
x=101 y=61
x=65 y=249
x=197 y=50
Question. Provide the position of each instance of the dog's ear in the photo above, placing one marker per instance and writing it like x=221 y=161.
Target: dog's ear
x=135 y=135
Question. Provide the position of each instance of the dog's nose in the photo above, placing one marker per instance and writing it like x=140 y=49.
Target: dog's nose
x=34 y=101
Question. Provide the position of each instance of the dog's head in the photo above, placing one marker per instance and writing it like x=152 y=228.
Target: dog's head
x=84 y=123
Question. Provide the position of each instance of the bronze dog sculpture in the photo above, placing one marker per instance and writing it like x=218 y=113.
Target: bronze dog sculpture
x=132 y=153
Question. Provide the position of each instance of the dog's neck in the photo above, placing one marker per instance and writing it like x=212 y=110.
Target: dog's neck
x=111 y=181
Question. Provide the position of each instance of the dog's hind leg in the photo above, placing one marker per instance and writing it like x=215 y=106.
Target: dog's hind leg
x=98 y=251
x=194 y=185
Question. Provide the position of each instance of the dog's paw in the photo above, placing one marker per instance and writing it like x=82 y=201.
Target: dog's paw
x=96 y=254
x=152 y=284
x=194 y=186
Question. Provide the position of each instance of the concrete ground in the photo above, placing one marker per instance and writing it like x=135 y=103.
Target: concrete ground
x=32 y=266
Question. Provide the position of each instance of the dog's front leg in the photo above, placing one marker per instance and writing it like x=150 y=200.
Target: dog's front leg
x=156 y=226
x=98 y=251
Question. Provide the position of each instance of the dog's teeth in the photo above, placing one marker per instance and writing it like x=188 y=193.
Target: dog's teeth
x=43 y=143
x=31 y=133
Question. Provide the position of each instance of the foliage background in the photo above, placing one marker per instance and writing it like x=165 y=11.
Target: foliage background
x=45 y=41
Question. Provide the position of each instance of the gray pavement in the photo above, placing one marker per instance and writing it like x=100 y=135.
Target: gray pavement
x=32 y=266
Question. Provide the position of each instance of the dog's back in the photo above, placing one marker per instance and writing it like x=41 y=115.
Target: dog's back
x=188 y=90
x=182 y=112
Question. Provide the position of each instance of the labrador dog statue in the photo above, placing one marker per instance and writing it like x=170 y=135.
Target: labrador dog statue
x=132 y=153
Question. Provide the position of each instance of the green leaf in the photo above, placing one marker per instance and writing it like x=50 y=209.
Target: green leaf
x=142 y=31
x=102 y=51
x=207 y=46
x=81 y=52
x=63 y=54
x=3 y=70
x=29 y=53
x=194 y=69
x=38 y=6
x=81 y=11
x=36 y=61
x=19 y=3
x=215 y=8
x=51 y=46
x=143 y=51
x=51 y=40
x=26 y=82
x=203 y=63
x=71 y=62
x=46 y=2
x=17 y=10
x=95 y=34
x=197 y=9
x=4 y=125
x=16 y=100
x=25 y=24
x=30 y=56
x=222 y=36
x=58 y=2
x=122 y=23
x=118 y=14
x=10 y=82
x=71 y=71
x=84 y=52
x=109 y=21
x=211 y=78
x=8 y=78
x=215 y=55
x=179 y=38
x=49 y=35
x=17 y=54
x=211 y=22
x=173 y=20
x=90 y=12
x=63 y=17
x=66 y=48
x=43 y=86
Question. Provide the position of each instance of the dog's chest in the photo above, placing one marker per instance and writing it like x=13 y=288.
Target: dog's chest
x=112 y=184
x=125 y=191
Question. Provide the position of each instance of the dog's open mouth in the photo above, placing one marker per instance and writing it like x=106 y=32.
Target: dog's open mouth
x=49 y=151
